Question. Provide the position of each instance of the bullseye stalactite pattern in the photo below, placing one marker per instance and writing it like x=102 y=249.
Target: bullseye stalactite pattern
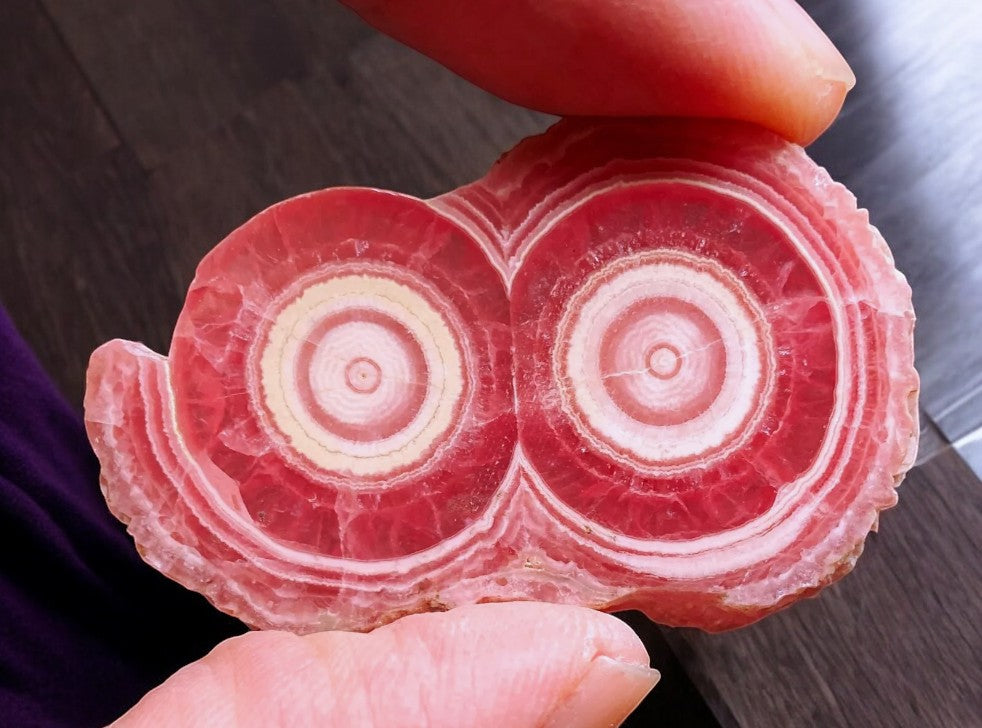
x=661 y=365
x=713 y=356
x=665 y=363
x=361 y=388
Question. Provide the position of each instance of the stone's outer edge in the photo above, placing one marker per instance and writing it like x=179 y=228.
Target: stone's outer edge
x=521 y=551
x=126 y=382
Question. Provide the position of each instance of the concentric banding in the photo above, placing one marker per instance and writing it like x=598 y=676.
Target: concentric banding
x=342 y=370
x=664 y=361
x=363 y=371
x=672 y=327
x=215 y=501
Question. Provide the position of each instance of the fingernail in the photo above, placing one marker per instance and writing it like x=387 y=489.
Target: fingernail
x=831 y=65
x=608 y=693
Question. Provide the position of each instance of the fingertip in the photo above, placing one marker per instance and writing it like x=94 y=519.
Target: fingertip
x=524 y=663
x=608 y=693
x=829 y=63
x=810 y=77
x=827 y=101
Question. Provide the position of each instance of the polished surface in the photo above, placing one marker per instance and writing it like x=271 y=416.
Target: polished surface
x=133 y=136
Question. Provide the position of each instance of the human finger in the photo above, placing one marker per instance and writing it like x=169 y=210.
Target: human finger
x=516 y=664
x=763 y=61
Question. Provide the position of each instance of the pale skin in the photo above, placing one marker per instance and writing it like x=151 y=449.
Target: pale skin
x=523 y=665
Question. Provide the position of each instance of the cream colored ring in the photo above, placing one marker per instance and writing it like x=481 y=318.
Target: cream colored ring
x=396 y=307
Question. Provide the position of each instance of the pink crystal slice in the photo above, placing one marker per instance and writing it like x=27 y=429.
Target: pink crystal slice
x=656 y=365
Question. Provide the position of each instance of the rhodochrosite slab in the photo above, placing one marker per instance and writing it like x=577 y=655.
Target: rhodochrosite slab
x=655 y=365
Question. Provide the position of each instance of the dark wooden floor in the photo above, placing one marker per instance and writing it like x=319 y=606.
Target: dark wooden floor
x=133 y=136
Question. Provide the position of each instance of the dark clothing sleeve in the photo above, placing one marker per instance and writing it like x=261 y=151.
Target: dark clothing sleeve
x=86 y=627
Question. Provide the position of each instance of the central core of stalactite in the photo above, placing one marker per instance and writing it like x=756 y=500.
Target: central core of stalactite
x=363 y=375
x=664 y=361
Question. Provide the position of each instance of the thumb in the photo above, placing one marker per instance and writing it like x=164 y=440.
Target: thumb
x=522 y=665
x=758 y=60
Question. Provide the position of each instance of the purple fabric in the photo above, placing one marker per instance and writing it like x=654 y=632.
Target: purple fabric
x=86 y=627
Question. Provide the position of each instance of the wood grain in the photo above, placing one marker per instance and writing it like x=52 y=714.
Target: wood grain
x=170 y=71
x=74 y=219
